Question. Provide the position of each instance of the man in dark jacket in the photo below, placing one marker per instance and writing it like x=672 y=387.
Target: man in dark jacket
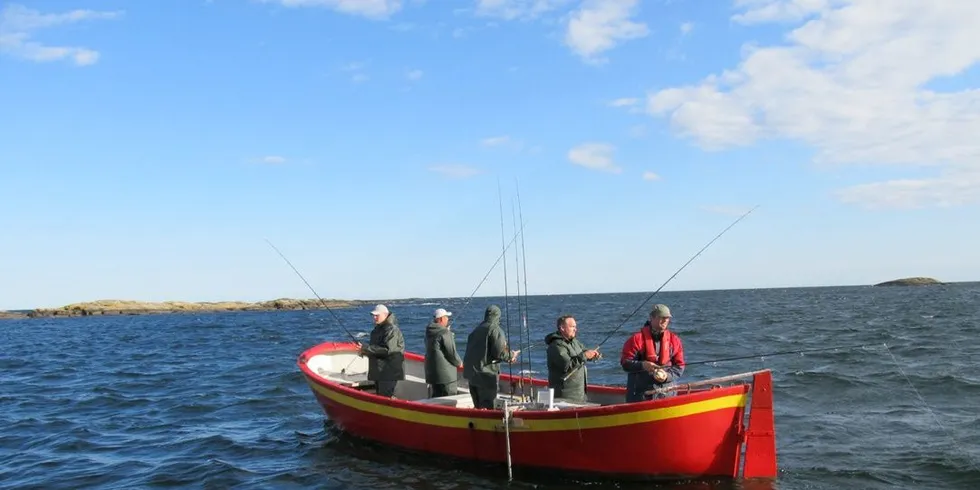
x=566 y=357
x=385 y=352
x=653 y=357
x=441 y=359
x=486 y=348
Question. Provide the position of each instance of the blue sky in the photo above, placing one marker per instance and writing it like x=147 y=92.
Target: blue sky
x=147 y=149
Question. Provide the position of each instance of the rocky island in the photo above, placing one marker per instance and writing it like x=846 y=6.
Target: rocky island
x=910 y=281
x=126 y=307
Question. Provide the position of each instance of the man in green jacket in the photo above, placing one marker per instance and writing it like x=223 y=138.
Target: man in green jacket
x=486 y=348
x=441 y=358
x=566 y=354
x=385 y=352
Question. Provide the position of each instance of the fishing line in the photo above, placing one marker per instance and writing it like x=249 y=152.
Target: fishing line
x=949 y=436
x=324 y=303
x=740 y=218
x=487 y=275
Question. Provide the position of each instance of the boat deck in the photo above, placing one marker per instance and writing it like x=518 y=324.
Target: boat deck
x=350 y=370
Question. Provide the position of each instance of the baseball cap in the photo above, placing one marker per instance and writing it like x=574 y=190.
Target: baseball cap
x=441 y=312
x=380 y=310
x=660 y=310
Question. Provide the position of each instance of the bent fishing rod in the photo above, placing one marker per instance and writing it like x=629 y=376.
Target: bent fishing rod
x=782 y=353
x=677 y=387
x=324 y=303
x=740 y=218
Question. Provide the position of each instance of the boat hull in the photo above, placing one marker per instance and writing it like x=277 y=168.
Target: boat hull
x=691 y=435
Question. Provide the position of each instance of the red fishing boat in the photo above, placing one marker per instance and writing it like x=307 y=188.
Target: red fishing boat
x=716 y=428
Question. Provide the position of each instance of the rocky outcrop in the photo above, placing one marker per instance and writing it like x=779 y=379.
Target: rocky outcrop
x=4 y=315
x=910 y=281
x=125 y=307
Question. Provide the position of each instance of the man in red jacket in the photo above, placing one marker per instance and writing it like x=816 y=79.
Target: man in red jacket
x=652 y=357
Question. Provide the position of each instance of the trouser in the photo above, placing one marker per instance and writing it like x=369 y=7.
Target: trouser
x=444 y=389
x=483 y=396
x=387 y=388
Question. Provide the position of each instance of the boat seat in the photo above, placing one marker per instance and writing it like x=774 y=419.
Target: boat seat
x=462 y=400
x=563 y=404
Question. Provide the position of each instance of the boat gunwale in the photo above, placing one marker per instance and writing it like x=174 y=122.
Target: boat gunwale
x=679 y=399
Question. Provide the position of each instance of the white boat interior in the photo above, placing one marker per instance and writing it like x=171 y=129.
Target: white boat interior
x=349 y=369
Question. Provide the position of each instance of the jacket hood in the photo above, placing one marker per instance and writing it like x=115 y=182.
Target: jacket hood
x=391 y=320
x=434 y=329
x=553 y=336
x=492 y=314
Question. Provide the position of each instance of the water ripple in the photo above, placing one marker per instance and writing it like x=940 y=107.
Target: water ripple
x=215 y=400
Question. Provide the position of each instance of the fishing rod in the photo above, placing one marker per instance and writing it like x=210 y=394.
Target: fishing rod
x=740 y=218
x=324 y=303
x=782 y=353
x=510 y=365
x=678 y=387
x=527 y=330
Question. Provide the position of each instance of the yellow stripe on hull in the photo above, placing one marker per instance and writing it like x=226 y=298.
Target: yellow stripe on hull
x=536 y=425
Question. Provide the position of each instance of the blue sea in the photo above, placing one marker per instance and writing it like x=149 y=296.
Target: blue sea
x=216 y=400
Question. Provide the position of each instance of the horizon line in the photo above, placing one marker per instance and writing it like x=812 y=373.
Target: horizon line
x=407 y=298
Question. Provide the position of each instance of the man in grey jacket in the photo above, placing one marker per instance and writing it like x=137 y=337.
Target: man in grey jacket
x=441 y=358
x=385 y=352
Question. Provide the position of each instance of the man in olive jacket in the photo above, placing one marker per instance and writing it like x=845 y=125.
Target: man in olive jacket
x=566 y=354
x=385 y=352
x=486 y=347
x=441 y=359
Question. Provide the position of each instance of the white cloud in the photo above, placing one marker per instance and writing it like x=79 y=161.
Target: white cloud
x=274 y=160
x=502 y=142
x=517 y=9
x=686 y=28
x=758 y=11
x=852 y=82
x=637 y=131
x=455 y=171
x=726 y=210
x=495 y=141
x=19 y=23
x=356 y=69
x=372 y=9
x=650 y=176
x=599 y=25
x=414 y=75
x=624 y=102
x=596 y=156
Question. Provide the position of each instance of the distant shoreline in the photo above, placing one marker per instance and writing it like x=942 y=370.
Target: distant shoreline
x=127 y=307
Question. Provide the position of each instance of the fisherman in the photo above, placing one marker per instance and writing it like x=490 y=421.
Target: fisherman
x=486 y=347
x=441 y=358
x=653 y=357
x=566 y=357
x=385 y=352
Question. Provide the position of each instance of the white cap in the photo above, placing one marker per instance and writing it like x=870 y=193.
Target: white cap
x=441 y=312
x=380 y=310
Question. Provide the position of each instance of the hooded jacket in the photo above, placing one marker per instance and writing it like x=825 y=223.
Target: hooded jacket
x=486 y=348
x=386 y=351
x=565 y=355
x=441 y=358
